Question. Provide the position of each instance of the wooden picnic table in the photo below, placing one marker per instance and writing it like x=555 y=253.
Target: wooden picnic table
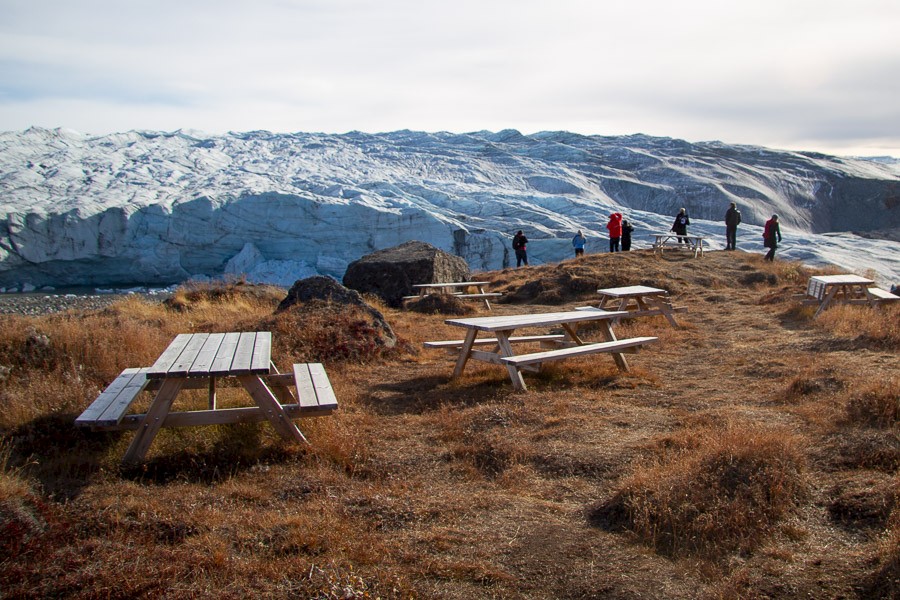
x=200 y=361
x=639 y=301
x=670 y=240
x=566 y=345
x=458 y=289
x=847 y=288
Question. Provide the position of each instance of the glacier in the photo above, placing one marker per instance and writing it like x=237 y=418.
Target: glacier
x=158 y=208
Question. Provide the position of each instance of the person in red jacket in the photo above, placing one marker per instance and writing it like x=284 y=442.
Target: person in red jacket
x=615 y=231
x=771 y=236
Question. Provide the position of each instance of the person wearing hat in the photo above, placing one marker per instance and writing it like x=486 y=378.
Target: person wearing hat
x=732 y=220
x=771 y=236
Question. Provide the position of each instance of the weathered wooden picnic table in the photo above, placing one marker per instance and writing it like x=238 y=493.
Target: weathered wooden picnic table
x=848 y=288
x=201 y=361
x=565 y=345
x=671 y=240
x=639 y=301
x=458 y=289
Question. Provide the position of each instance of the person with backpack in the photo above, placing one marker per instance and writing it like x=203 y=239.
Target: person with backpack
x=615 y=231
x=680 y=226
x=771 y=237
x=578 y=243
x=519 y=244
x=732 y=220
x=627 y=228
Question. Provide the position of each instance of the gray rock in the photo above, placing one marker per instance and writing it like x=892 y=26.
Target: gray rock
x=391 y=273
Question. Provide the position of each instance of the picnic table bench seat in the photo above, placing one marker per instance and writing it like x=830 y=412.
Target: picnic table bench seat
x=879 y=295
x=629 y=344
x=109 y=408
x=457 y=344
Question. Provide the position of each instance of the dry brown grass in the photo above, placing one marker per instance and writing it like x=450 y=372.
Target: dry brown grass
x=752 y=453
x=710 y=490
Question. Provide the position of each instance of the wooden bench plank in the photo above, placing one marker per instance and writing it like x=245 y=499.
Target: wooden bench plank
x=480 y=341
x=314 y=392
x=111 y=404
x=324 y=393
x=549 y=355
x=882 y=295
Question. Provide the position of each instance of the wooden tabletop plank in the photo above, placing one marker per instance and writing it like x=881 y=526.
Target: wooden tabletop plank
x=207 y=355
x=455 y=284
x=262 y=352
x=243 y=354
x=847 y=278
x=632 y=290
x=161 y=367
x=182 y=365
x=221 y=364
x=508 y=322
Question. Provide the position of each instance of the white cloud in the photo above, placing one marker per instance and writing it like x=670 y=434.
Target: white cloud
x=772 y=72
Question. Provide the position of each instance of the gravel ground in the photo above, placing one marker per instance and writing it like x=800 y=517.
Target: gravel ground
x=42 y=304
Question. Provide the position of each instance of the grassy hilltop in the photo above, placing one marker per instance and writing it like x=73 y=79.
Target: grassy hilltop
x=754 y=453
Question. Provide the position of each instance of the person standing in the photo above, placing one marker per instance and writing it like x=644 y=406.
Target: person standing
x=771 y=236
x=519 y=244
x=627 y=228
x=732 y=220
x=615 y=231
x=680 y=225
x=578 y=243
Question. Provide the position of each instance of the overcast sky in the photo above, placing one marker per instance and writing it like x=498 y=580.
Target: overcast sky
x=798 y=74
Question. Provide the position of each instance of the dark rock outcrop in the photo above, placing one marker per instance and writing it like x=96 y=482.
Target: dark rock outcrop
x=391 y=273
x=320 y=290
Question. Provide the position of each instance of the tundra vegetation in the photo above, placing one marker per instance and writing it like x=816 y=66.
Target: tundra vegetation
x=753 y=453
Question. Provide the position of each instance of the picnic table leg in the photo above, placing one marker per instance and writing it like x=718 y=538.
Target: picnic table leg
x=829 y=296
x=212 y=393
x=153 y=420
x=464 y=353
x=481 y=291
x=572 y=333
x=270 y=407
x=664 y=307
x=506 y=350
x=609 y=336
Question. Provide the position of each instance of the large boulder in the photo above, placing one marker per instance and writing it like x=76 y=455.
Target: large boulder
x=391 y=273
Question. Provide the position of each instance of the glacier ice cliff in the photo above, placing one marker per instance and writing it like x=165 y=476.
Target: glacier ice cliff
x=156 y=208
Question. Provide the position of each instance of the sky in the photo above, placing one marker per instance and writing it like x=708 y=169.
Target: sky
x=817 y=75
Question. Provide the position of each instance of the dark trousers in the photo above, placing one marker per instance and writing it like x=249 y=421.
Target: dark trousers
x=579 y=252
x=613 y=244
x=731 y=237
x=521 y=258
x=771 y=253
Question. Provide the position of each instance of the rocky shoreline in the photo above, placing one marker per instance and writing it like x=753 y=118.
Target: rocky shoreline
x=34 y=304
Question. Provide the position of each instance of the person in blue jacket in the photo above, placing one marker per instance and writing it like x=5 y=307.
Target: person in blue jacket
x=578 y=243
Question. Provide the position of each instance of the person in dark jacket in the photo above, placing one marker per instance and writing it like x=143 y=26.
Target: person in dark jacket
x=615 y=231
x=680 y=225
x=519 y=244
x=732 y=220
x=771 y=236
x=627 y=228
